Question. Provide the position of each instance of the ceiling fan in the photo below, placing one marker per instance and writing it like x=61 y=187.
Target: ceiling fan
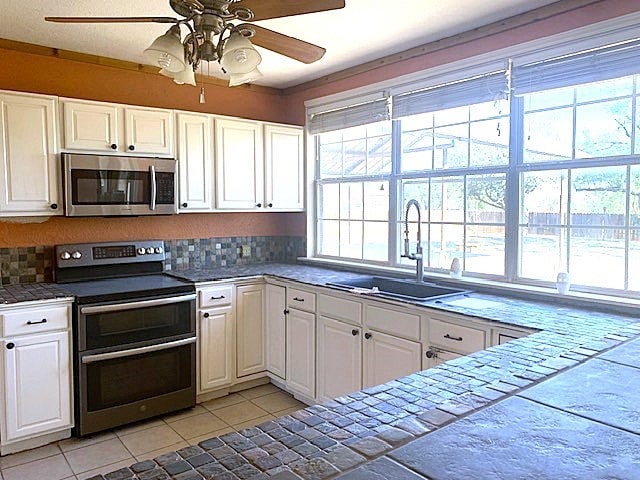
x=205 y=20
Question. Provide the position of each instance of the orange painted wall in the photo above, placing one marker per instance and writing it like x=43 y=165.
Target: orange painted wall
x=58 y=230
x=66 y=78
x=593 y=13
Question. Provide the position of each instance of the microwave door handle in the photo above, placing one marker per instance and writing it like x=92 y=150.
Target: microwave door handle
x=154 y=187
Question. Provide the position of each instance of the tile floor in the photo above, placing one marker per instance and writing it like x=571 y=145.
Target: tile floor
x=80 y=459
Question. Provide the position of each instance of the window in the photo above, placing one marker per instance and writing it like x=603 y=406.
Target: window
x=517 y=189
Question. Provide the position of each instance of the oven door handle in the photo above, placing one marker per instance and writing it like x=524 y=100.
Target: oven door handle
x=99 y=357
x=133 y=305
x=154 y=187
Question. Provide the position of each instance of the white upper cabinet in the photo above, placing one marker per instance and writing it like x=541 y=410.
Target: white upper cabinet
x=240 y=165
x=105 y=127
x=148 y=131
x=29 y=167
x=259 y=166
x=90 y=126
x=284 y=168
x=195 y=161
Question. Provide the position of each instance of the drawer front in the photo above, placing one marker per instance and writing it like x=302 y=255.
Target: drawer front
x=401 y=324
x=36 y=320
x=301 y=300
x=216 y=296
x=456 y=337
x=340 y=309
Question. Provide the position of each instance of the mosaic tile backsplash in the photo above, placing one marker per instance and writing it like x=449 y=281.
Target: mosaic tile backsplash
x=22 y=265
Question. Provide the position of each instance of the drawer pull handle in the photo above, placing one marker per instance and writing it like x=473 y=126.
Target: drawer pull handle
x=298 y=299
x=449 y=337
x=354 y=332
x=367 y=336
x=217 y=298
x=44 y=320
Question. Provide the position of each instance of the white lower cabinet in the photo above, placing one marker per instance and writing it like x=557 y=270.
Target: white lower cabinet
x=36 y=374
x=250 y=326
x=275 y=306
x=387 y=357
x=301 y=352
x=339 y=358
x=215 y=348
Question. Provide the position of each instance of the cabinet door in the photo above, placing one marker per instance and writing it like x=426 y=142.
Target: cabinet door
x=301 y=352
x=387 y=357
x=250 y=338
x=440 y=356
x=29 y=168
x=215 y=348
x=339 y=369
x=148 y=131
x=276 y=329
x=195 y=161
x=284 y=168
x=37 y=385
x=239 y=174
x=91 y=126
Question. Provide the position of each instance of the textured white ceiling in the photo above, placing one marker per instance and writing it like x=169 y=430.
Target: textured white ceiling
x=364 y=30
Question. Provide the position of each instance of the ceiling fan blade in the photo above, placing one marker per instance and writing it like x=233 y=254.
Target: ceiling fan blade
x=288 y=46
x=111 y=19
x=265 y=9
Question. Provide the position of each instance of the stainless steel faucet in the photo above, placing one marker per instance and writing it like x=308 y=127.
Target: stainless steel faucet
x=418 y=255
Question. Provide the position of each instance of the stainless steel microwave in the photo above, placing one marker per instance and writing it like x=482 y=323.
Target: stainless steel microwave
x=103 y=185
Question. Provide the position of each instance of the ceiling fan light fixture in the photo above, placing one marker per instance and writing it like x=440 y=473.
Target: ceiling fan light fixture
x=167 y=51
x=239 y=56
x=185 y=77
x=236 y=79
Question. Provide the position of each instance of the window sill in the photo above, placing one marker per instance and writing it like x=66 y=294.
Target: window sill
x=592 y=301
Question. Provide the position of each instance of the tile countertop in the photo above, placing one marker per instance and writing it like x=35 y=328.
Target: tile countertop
x=482 y=400
x=10 y=294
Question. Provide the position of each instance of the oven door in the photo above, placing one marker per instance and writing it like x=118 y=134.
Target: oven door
x=120 y=387
x=111 y=185
x=117 y=326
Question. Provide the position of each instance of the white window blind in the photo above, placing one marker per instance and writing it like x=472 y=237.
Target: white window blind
x=484 y=88
x=594 y=65
x=352 y=116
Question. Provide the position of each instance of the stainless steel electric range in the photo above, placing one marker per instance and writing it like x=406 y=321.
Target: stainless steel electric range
x=134 y=333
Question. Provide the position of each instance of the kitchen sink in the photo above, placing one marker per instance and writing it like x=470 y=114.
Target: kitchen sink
x=396 y=288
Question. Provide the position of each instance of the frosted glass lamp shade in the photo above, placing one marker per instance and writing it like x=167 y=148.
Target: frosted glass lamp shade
x=239 y=56
x=167 y=51
x=236 y=79
x=186 y=76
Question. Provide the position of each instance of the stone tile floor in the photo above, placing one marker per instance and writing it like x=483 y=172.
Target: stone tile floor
x=80 y=459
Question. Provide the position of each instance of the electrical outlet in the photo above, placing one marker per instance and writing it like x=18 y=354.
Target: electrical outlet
x=246 y=251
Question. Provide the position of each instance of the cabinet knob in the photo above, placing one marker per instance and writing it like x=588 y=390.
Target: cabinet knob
x=54 y=206
x=354 y=332
x=259 y=205
x=10 y=345
x=431 y=354
x=367 y=336
x=269 y=205
x=132 y=147
x=184 y=205
x=114 y=146
x=286 y=312
x=205 y=315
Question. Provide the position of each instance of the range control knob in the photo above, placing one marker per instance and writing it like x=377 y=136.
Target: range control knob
x=76 y=255
x=149 y=250
x=141 y=251
x=65 y=256
x=158 y=250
